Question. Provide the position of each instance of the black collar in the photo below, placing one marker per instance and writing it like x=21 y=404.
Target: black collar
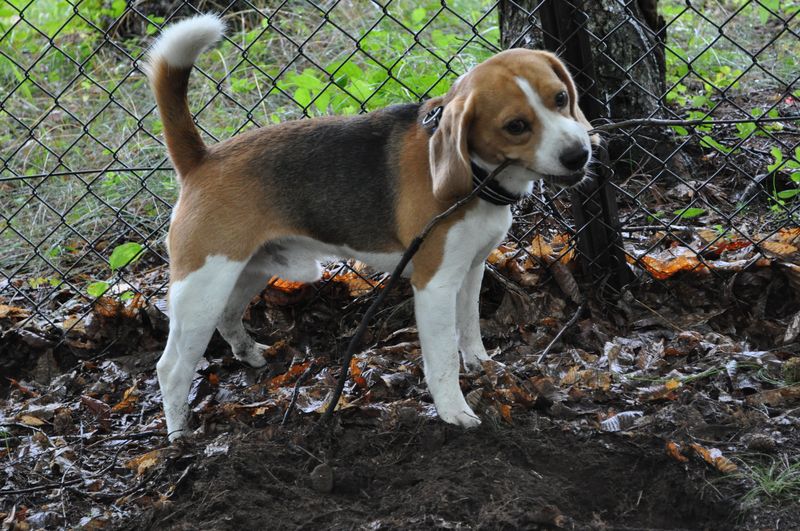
x=493 y=192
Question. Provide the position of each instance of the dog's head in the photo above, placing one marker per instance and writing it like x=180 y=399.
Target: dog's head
x=520 y=105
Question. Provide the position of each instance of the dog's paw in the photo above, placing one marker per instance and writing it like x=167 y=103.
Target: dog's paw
x=475 y=360
x=253 y=356
x=473 y=363
x=463 y=417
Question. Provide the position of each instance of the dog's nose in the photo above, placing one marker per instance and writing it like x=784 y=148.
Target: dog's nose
x=574 y=158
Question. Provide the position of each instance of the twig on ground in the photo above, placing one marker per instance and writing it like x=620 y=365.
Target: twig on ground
x=129 y=437
x=656 y=122
x=303 y=377
x=413 y=247
x=560 y=333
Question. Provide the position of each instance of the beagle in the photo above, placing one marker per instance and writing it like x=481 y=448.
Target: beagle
x=278 y=200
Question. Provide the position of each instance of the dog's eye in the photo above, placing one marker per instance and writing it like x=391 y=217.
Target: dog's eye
x=517 y=127
x=561 y=99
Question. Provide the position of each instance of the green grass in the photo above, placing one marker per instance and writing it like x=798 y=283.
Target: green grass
x=776 y=481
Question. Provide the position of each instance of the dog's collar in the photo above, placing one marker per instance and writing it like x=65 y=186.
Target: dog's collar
x=493 y=192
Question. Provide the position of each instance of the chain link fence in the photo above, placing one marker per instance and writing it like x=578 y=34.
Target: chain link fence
x=86 y=188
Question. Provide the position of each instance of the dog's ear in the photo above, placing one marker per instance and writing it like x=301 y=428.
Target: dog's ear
x=574 y=109
x=448 y=153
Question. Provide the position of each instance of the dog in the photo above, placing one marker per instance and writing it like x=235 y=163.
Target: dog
x=276 y=201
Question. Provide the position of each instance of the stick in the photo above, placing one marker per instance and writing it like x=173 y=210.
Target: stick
x=655 y=122
x=306 y=373
x=355 y=342
x=561 y=333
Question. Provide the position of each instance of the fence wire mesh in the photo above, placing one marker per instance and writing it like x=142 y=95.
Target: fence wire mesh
x=86 y=185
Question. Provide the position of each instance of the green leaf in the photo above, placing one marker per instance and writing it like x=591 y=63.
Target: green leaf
x=117 y=8
x=418 y=15
x=688 y=213
x=788 y=194
x=321 y=103
x=778 y=156
x=708 y=141
x=124 y=254
x=97 y=289
x=152 y=29
x=681 y=131
x=302 y=96
x=307 y=80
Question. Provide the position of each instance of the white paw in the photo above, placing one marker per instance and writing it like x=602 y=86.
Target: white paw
x=177 y=418
x=472 y=362
x=253 y=356
x=474 y=358
x=177 y=434
x=463 y=416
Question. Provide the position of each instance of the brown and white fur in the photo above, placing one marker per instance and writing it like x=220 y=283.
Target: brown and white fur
x=278 y=200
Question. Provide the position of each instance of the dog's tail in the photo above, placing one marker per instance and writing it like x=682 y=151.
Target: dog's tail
x=169 y=63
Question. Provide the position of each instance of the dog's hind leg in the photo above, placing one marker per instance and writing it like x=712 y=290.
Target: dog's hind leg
x=251 y=281
x=468 y=322
x=196 y=302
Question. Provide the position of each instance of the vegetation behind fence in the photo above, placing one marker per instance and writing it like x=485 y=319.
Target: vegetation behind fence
x=86 y=188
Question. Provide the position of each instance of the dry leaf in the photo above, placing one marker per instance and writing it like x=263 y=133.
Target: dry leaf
x=355 y=373
x=563 y=277
x=129 y=400
x=145 y=462
x=674 y=451
x=289 y=376
x=541 y=249
x=713 y=456
x=673 y=261
x=12 y=312
x=778 y=249
x=505 y=412
x=30 y=420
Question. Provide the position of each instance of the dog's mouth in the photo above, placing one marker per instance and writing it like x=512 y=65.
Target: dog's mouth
x=565 y=181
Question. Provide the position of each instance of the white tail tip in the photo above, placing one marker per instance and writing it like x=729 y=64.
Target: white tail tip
x=181 y=43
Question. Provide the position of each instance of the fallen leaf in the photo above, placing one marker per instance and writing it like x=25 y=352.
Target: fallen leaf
x=674 y=451
x=355 y=373
x=505 y=412
x=289 y=376
x=12 y=312
x=22 y=388
x=541 y=249
x=775 y=397
x=778 y=249
x=669 y=263
x=145 y=462
x=129 y=400
x=563 y=277
x=714 y=457
x=30 y=420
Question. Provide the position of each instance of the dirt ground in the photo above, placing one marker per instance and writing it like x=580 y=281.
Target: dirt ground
x=423 y=474
x=634 y=420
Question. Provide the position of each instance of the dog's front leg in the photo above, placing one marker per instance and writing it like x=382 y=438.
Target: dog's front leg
x=435 y=308
x=468 y=322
